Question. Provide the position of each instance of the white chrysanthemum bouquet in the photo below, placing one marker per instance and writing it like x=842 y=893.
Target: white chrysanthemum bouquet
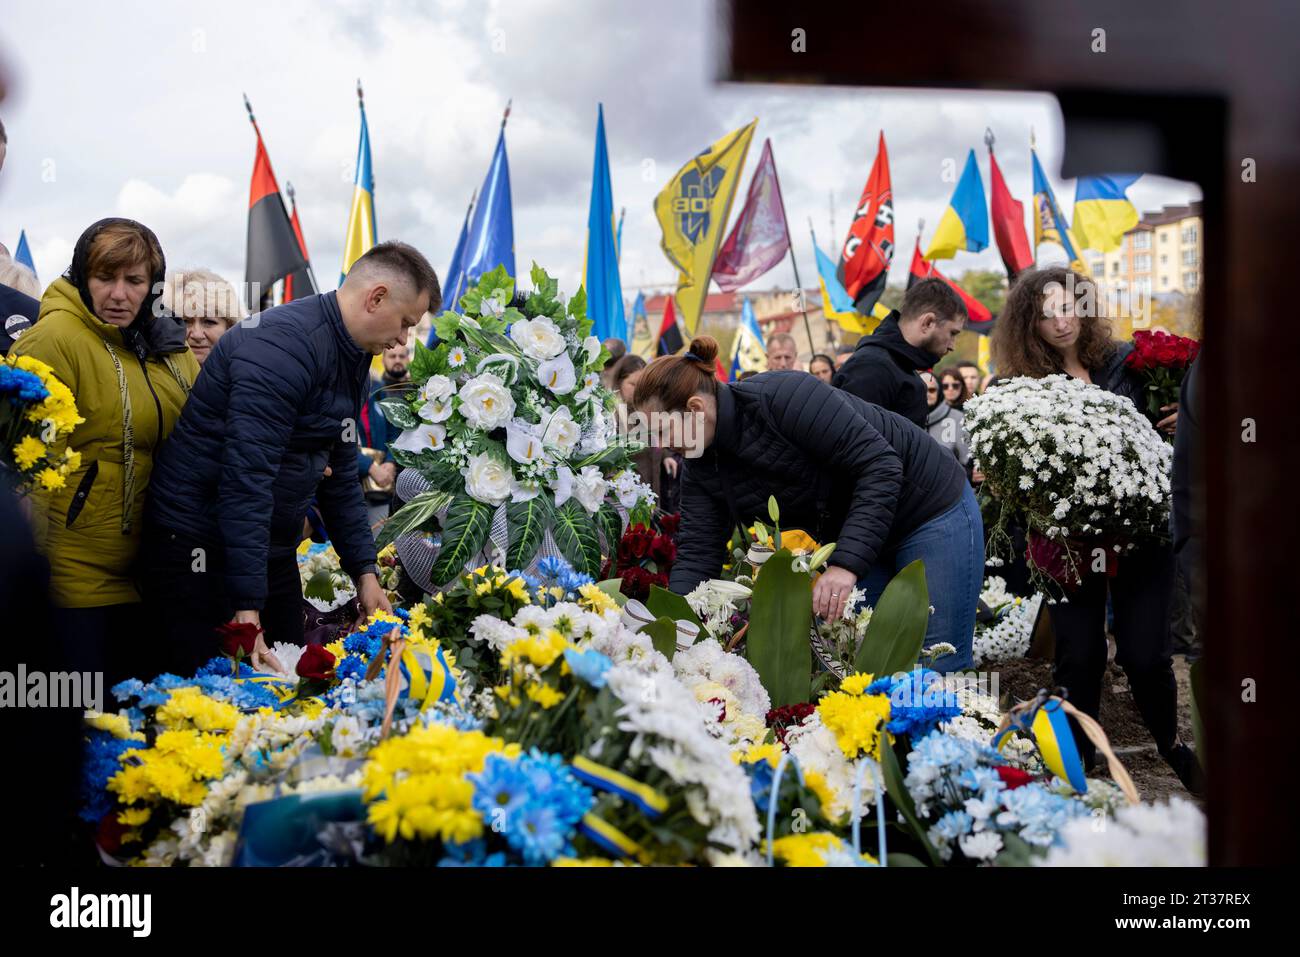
x=510 y=413
x=1081 y=468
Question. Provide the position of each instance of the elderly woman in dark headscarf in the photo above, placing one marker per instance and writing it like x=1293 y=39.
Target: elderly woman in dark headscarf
x=125 y=359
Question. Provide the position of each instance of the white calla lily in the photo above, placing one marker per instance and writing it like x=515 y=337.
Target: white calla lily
x=558 y=374
x=426 y=436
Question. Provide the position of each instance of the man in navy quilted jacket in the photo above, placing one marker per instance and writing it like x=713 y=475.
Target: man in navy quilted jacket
x=272 y=422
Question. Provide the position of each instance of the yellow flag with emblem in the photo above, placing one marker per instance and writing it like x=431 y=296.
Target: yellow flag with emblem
x=693 y=210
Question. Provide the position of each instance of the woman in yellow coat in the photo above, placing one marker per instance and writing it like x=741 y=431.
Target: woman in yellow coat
x=128 y=366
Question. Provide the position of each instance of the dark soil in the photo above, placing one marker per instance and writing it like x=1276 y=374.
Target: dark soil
x=1020 y=679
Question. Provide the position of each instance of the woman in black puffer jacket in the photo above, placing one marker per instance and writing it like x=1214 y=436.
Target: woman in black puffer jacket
x=1052 y=323
x=842 y=469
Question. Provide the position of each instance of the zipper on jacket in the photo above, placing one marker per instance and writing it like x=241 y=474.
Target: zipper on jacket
x=157 y=404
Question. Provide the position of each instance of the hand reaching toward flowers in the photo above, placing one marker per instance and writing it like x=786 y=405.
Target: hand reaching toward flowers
x=832 y=591
x=670 y=466
x=371 y=597
x=1168 y=423
x=263 y=658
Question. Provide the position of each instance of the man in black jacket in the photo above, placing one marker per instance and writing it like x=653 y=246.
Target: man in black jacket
x=883 y=369
x=844 y=471
x=272 y=422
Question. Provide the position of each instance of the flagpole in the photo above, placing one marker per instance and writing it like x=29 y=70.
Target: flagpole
x=785 y=221
x=293 y=208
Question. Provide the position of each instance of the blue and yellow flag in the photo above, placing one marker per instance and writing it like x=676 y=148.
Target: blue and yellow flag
x=604 y=290
x=693 y=209
x=1102 y=211
x=23 y=252
x=361 y=220
x=748 y=353
x=965 y=223
x=837 y=306
x=643 y=340
x=491 y=240
x=1050 y=224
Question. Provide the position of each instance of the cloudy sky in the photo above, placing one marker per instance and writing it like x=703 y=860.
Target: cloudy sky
x=134 y=109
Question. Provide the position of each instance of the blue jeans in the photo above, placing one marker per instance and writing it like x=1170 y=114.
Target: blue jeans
x=951 y=546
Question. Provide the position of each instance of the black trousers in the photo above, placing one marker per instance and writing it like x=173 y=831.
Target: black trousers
x=1141 y=593
x=185 y=597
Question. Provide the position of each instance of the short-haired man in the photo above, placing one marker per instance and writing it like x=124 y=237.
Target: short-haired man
x=782 y=352
x=883 y=368
x=973 y=374
x=272 y=422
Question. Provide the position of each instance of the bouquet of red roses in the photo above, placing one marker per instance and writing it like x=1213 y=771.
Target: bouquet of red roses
x=645 y=556
x=1162 y=359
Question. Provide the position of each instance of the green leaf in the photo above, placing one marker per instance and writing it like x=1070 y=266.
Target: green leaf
x=613 y=587
x=463 y=534
x=896 y=859
x=779 y=623
x=896 y=631
x=543 y=284
x=610 y=524
x=663 y=635
x=665 y=603
x=578 y=304
x=426 y=362
x=412 y=516
x=575 y=533
x=527 y=523
x=902 y=799
x=447 y=325
x=320 y=586
x=399 y=414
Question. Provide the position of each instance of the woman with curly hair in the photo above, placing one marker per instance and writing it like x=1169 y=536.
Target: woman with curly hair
x=1053 y=323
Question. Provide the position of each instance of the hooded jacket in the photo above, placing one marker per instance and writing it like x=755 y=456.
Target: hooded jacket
x=842 y=469
x=279 y=400
x=883 y=371
x=130 y=385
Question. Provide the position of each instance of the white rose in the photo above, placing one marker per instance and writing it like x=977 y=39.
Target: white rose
x=589 y=488
x=487 y=479
x=558 y=374
x=437 y=394
x=486 y=403
x=537 y=338
x=561 y=431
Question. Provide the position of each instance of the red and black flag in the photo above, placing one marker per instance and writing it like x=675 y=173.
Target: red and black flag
x=670 y=332
x=1008 y=221
x=978 y=317
x=301 y=282
x=864 y=261
x=273 y=251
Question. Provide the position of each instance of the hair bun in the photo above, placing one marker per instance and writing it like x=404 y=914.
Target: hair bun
x=706 y=348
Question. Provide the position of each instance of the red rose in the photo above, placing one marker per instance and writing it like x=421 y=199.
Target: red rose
x=636 y=541
x=316 y=663
x=237 y=637
x=636 y=582
x=668 y=524
x=663 y=550
x=109 y=833
x=1013 y=777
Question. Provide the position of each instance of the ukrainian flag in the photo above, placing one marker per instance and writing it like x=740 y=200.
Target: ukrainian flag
x=1102 y=211
x=965 y=223
x=361 y=221
x=837 y=307
x=748 y=353
x=1050 y=224
x=604 y=290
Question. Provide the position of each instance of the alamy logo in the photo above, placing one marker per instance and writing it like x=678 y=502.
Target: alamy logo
x=53 y=689
x=103 y=910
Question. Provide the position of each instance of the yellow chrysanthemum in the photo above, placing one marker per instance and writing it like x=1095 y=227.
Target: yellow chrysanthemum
x=50 y=479
x=771 y=753
x=118 y=725
x=540 y=650
x=418 y=617
x=857 y=721
x=519 y=591
x=594 y=599
x=810 y=850
x=543 y=694
x=28 y=452
x=856 y=683
x=134 y=816
x=71 y=461
x=190 y=707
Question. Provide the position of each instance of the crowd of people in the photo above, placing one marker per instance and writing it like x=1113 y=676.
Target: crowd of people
x=213 y=445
